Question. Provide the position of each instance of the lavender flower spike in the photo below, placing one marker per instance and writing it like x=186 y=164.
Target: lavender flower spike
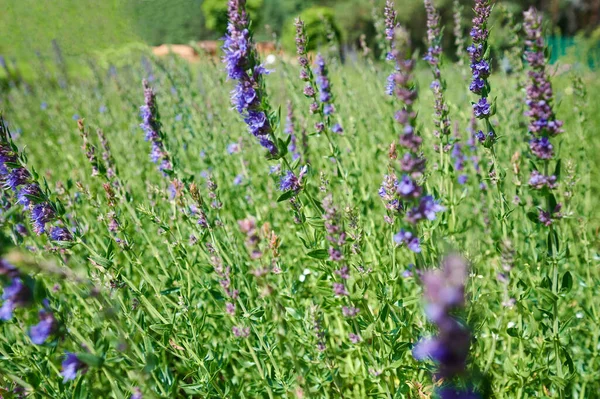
x=444 y=292
x=434 y=41
x=405 y=196
x=152 y=127
x=241 y=64
x=480 y=67
x=543 y=124
x=390 y=27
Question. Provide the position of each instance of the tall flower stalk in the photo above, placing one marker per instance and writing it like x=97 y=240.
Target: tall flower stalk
x=444 y=292
x=404 y=195
x=152 y=127
x=543 y=126
x=390 y=26
x=243 y=66
x=459 y=38
x=483 y=109
x=480 y=68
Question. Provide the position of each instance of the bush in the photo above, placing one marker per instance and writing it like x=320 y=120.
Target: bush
x=316 y=30
x=215 y=12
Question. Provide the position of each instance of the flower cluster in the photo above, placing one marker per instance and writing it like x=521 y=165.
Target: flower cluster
x=480 y=67
x=71 y=366
x=325 y=96
x=543 y=124
x=152 y=127
x=406 y=193
x=16 y=294
x=434 y=41
x=306 y=74
x=29 y=194
x=444 y=292
x=242 y=65
x=390 y=28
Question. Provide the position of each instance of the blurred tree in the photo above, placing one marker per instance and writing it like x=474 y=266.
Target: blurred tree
x=315 y=28
x=215 y=12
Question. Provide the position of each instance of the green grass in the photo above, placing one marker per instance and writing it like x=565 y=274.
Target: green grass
x=155 y=313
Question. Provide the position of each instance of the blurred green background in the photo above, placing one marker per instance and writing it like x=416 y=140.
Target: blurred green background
x=91 y=27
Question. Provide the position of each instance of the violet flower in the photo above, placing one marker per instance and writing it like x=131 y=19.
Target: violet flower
x=16 y=294
x=404 y=196
x=480 y=68
x=152 y=127
x=18 y=178
x=543 y=124
x=390 y=28
x=434 y=41
x=44 y=329
x=71 y=366
x=242 y=65
x=444 y=291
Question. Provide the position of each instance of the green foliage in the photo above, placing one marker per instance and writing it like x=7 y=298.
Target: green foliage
x=215 y=12
x=316 y=28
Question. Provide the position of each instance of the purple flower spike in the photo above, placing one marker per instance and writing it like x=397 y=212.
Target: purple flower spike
x=444 y=291
x=241 y=65
x=405 y=197
x=152 y=127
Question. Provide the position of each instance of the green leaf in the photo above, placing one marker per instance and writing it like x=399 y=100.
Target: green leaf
x=89 y=359
x=286 y=196
x=567 y=282
x=161 y=327
x=319 y=254
x=170 y=290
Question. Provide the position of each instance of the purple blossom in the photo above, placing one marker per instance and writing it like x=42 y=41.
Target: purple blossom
x=407 y=238
x=14 y=295
x=17 y=177
x=241 y=332
x=29 y=193
x=60 y=234
x=152 y=127
x=44 y=329
x=390 y=26
x=539 y=91
x=538 y=181
x=445 y=292
x=339 y=289
x=241 y=65
x=71 y=366
x=354 y=338
x=541 y=148
x=233 y=148
x=482 y=108
x=137 y=393
x=350 y=311
x=41 y=214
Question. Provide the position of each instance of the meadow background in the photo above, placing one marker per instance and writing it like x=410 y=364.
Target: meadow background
x=144 y=305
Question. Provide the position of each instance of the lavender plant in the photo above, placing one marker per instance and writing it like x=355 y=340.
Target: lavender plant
x=212 y=282
x=243 y=66
x=404 y=196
